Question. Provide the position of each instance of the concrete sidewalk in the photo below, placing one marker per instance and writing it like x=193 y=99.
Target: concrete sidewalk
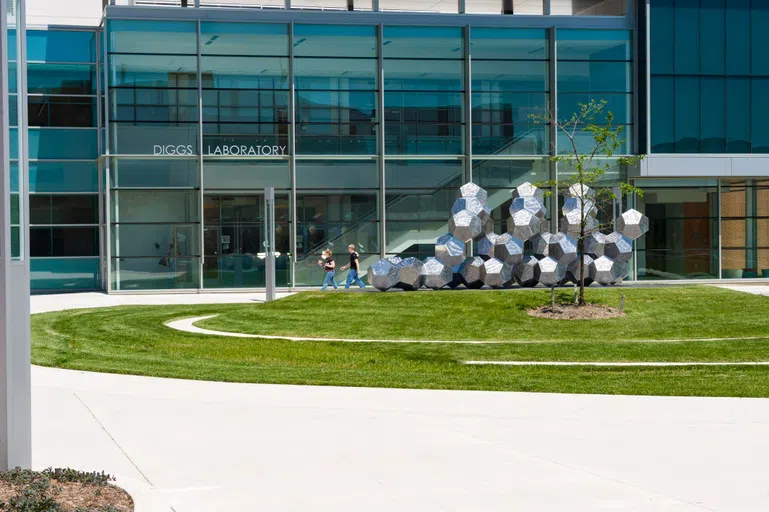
x=209 y=446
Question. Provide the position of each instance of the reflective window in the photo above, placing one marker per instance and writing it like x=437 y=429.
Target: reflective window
x=61 y=111
x=65 y=274
x=588 y=7
x=146 y=206
x=245 y=174
x=148 y=37
x=335 y=97
x=745 y=225
x=61 y=46
x=63 y=241
x=243 y=39
x=63 y=143
x=61 y=78
x=153 y=173
x=63 y=177
x=63 y=209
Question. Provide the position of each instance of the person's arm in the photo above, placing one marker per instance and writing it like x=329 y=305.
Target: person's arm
x=357 y=264
x=332 y=264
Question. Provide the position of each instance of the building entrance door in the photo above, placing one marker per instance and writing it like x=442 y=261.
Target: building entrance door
x=233 y=241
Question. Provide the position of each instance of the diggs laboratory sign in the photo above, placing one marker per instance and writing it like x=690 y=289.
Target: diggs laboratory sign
x=220 y=150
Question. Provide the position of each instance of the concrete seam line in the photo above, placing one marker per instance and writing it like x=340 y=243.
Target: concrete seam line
x=188 y=325
x=114 y=440
x=619 y=363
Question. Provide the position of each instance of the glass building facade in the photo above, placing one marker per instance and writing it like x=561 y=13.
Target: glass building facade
x=152 y=137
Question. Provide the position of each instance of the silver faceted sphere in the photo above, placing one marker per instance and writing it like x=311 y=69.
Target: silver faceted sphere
x=394 y=259
x=562 y=248
x=486 y=245
x=581 y=191
x=633 y=224
x=471 y=272
x=540 y=244
x=604 y=271
x=576 y=204
x=508 y=249
x=487 y=226
x=549 y=272
x=531 y=204
x=528 y=190
x=383 y=274
x=571 y=224
x=594 y=244
x=435 y=274
x=410 y=274
x=449 y=250
x=524 y=225
x=623 y=269
x=572 y=271
x=465 y=225
x=474 y=191
x=496 y=274
x=473 y=206
x=523 y=272
x=618 y=247
x=456 y=280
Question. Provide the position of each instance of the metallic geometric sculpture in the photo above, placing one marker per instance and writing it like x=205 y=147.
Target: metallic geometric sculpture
x=471 y=272
x=572 y=271
x=486 y=245
x=383 y=274
x=487 y=226
x=623 y=269
x=604 y=271
x=473 y=206
x=523 y=272
x=449 y=250
x=528 y=190
x=549 y=272
x=465 y=225
x=508 y=249
x=410 y=274
x=579 y=205
x=524 y=225
x=562 y=248
x=474 y=191
x=456 y=280
x=435 y=274
x=594 y=244
x=618 y=247
x=581 y=191
x=531 y=204
x=496 y=274
x=394 y=259
x=541 y=244
x=570 y=224
x=632 y=224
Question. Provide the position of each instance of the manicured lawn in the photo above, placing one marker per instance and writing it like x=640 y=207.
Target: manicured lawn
x=134 y=340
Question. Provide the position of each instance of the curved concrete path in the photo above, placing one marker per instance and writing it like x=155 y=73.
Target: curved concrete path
x=211 y=446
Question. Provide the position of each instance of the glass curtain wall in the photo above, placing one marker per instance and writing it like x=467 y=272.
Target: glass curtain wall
x=13 y=130
x=204 y=115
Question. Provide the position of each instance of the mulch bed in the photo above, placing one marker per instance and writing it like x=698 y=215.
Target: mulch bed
x=72 y=495
x=574 y=312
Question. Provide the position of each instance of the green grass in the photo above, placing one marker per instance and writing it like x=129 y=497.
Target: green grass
x=133 y=339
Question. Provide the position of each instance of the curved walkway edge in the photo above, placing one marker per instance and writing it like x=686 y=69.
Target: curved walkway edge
x=188 y=325
x=620 y=363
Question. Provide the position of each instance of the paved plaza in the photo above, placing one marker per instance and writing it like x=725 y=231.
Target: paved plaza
x=189 y=446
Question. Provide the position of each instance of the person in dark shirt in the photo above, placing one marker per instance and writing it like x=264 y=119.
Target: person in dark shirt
x=354 y=267
x=328 y=264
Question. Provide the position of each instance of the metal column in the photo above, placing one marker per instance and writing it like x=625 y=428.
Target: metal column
x=269 y=243
x=15 y=366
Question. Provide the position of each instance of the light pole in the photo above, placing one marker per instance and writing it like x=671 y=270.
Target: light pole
x=15 y=378
x=269 y=243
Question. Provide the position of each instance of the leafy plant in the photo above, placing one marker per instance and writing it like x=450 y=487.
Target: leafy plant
x=38 y=494
x=589 y=165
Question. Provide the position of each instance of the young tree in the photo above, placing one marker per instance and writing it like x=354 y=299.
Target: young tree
x=592 y=142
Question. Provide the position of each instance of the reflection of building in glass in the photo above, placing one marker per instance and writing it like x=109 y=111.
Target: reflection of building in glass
x=151 y=138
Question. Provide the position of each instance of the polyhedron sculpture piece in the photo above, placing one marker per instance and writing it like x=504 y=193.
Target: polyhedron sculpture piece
x=394 y=259
x=523 y=225
x=572 y=271
x=632 y=224
x=508 y=249
x=465 y=225
x=473 y=206
x=487 y=226
x=531 y=204
x=549 y=272
x=486 y=245
x=471 y=272
x=523 y=272
x=594 y=244
x=474 y=191
x=449 y=250
x=410 y=274
x=618 y=247
x=541 y=244
x=583 y=206
x=383 y=274
x=436 y=274
x=496 y=274
x=562 y=248
x=582 y=191
x=528 y=190
x=604 y=271
x=571 y=224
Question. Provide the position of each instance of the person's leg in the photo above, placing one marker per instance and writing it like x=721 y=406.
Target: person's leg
x=349 y=279
x=326 y=279
x=332 y=279
x=357 y=279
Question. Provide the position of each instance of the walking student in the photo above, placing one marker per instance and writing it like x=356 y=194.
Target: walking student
x=328 y=264
x=354 y=267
